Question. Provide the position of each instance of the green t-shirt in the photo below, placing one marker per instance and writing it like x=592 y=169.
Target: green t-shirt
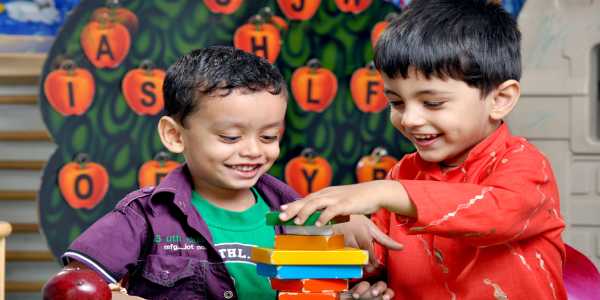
x=234 y=234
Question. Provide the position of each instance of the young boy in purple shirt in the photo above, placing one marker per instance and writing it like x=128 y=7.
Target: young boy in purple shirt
x=190 y=237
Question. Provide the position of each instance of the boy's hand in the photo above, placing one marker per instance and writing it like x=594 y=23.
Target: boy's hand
x=362 y=198
x=360 y=233
x=379 y=290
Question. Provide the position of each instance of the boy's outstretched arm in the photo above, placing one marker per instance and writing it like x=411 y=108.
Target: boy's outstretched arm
x=361 y=198
x=358 y=199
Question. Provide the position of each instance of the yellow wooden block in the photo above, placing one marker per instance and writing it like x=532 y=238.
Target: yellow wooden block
x=309 y=242
x=346 y=256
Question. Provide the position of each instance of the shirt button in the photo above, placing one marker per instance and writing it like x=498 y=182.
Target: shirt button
x=164 y=275
x=228 y=294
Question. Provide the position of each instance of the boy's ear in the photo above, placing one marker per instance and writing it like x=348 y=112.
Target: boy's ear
x=170 y=134
x=505 y=97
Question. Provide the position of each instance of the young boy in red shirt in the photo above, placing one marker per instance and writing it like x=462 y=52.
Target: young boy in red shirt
x=475 y=208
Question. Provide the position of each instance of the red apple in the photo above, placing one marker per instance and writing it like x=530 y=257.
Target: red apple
x=76 y=284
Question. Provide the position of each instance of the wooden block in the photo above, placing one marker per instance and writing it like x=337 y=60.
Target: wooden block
x=309 y=285
x=307 y=296
x=346 y=256
x=314 y=272
x=308 y=242
x=308 y=230
x=273 y=219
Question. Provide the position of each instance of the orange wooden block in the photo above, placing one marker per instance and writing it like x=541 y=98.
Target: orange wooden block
x=310 y=285
x=309 y=242
x=307 y=296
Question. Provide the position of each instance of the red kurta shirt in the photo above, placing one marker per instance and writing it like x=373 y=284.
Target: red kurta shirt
x=488 y=229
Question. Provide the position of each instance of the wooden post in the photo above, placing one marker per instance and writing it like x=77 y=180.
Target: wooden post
x=5 y=230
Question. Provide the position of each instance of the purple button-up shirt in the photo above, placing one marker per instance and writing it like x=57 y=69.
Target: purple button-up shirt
x=157 y=238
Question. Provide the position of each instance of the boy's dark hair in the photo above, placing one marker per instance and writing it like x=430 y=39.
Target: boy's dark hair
x=474 y=41
x=216 y=69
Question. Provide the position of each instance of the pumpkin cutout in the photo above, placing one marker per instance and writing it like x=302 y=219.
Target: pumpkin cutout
x=374 y=166
x=82 y=183
x=314 y=87
x=308 y=172
x=143 y=89
x=366 y=87
x=299 y=9
x=114 y=13
x=105 y=43
x=259 y=38
x=153 y=171
x=377 y=31
x=270 y=17
x=225 y=7
x=380 y=27
x=70 y=90
x=353 y=6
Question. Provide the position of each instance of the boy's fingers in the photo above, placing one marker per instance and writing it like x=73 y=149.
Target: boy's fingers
x=290 y=210
x=373 y=263
x=359 y=289
x=378 y=288
x=310 y=206
x=327 y=214
x=388 y=294
x=383 y=238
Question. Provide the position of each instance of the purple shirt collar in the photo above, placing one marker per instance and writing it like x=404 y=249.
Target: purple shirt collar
x=176 y=187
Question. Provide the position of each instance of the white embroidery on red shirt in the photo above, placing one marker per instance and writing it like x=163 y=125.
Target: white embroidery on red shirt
x=539 y=206
x=460 y=207
x=452 y=294
x=499 y=294
x=548 y=277
x=520 y=256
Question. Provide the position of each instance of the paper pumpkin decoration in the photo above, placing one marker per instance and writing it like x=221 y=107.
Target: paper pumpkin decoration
x=308 y=172
x=153 y=171
x=223 y=6
x=69 y=89
x=313 y=86
x=299 y=9
x=258 y=37
x=353 y=6
x=114 y=13
x=105 y=43
x=366 y=86
x=375 y=165
x=380 y=27
x=143 y=89
x=83 y=183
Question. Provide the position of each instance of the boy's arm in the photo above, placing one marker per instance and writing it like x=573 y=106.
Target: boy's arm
x=112 y=244
x=517 y=200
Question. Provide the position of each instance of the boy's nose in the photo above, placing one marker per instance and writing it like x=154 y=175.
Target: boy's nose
x=251 y=148
x=411 y=118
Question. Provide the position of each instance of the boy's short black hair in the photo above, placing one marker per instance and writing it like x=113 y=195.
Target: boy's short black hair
x=475 y=41
x=216 y=69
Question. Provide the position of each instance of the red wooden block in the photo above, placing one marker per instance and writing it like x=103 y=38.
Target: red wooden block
x=309 y=285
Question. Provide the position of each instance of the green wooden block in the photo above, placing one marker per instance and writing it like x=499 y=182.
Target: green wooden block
x=273 y=219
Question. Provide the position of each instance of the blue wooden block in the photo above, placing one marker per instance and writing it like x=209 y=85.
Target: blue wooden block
x=315 y=272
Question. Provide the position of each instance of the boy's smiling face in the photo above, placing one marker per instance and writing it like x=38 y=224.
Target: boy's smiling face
x=444 y=119
x=229 y=142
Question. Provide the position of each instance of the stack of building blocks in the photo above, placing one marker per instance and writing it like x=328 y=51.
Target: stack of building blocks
x=309 y=262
